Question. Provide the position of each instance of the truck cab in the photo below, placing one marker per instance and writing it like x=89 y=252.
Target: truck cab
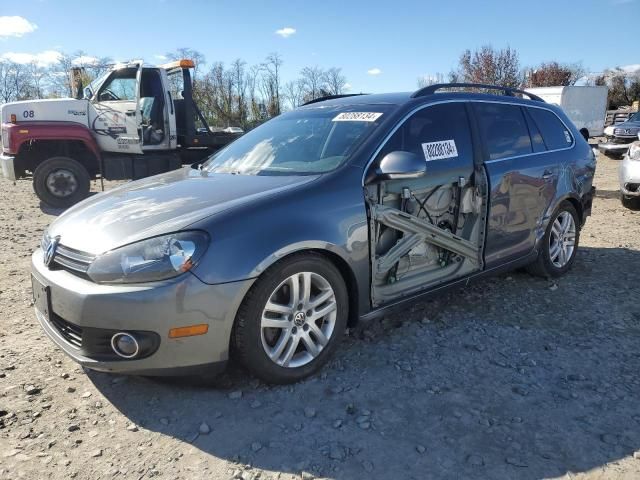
x=133 y=121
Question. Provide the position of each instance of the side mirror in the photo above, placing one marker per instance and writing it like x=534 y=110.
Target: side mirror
x=399 y=164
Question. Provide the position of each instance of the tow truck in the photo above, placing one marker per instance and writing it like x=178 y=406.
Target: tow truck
x=133 y=121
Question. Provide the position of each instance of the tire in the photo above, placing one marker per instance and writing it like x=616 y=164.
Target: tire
x=550 y=262
x=632 y=203
x=61 y=182
x=585 y=134
x=296 y=327
x=613 y=155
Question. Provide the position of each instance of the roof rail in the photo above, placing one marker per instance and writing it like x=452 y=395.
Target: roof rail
x=331 y=97
x=508 y=91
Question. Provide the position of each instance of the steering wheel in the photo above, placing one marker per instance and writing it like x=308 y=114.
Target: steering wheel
x=109 y=95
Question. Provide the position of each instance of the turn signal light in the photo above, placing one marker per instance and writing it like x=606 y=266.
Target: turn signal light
x=189 y=331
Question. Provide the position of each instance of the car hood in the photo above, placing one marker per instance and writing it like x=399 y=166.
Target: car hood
x=160 y=204
x=634 y=125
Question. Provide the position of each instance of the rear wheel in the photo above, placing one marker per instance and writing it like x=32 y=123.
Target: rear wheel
x=61 y=182
x=559 y=245
x=292 y=319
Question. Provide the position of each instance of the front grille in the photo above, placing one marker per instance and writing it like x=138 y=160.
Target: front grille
x=624 y=132
x=70 y=332
x=73 y=260
x=622 y=140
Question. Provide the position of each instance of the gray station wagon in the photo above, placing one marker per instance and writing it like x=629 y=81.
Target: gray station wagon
x=339 y=210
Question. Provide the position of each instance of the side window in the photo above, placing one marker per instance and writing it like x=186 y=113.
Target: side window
x=121 y=86
x=504 y=130
x=554 y=133
x=534 y=132
x=440 y=134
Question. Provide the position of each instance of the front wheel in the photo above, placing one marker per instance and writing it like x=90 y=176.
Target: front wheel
x=61 y=182
x=559 y=245
x=632 y=203
x=292 y=319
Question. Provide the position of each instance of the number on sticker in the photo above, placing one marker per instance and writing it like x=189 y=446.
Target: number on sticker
x=440 y=150
x=28 y=114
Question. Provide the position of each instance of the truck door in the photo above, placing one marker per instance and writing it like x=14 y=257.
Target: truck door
x=114 y=114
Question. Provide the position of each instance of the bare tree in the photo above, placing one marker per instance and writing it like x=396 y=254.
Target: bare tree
x=426 y=80
x=7 y=85
x=335 y=81
x=624 y=86
x=489 y=66
x=198 y=58
x=271 y=83
x=313 y=79
x=553 y=74
x=294 y=93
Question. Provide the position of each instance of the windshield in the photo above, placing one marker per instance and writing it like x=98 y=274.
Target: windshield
x=635 y=117
x=301 y=142
x=92 y=88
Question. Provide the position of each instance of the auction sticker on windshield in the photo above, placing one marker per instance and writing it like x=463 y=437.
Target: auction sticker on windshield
x=357 y=117
x=440 y=150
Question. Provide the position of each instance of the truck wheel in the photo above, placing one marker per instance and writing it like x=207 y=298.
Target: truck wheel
x=61 y=182
x=559 y=245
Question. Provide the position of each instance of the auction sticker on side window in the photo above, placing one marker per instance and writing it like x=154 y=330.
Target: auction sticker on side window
x=440 y=150
x=357 y=117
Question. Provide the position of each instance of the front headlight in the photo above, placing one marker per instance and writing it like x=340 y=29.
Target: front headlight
x=150 y=260
x=634 y=151
x=609 y=131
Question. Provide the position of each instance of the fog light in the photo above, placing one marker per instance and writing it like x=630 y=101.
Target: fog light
x=125 y=345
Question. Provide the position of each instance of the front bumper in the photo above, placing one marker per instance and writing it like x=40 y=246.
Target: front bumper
x=619 y=148
x=155 y=308
x=6 y=165
x=629 y=176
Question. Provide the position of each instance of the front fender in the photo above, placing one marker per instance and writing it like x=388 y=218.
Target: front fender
x=23 y=133
x=328 y=215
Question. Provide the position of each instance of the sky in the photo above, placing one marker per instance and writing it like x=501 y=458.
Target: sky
x=381 y=46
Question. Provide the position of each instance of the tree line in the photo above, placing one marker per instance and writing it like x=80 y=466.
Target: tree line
x=238 y=94
x=502 y=67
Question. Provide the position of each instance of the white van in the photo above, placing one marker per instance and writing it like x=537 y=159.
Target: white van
x=585 y=106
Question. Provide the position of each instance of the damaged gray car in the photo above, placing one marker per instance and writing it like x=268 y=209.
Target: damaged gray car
x=340 y=210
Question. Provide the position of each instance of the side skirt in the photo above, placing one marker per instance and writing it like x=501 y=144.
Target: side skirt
x=463 y=282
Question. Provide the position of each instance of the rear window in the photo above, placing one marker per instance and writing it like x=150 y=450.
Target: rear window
x=554 y=133
x=504 y=130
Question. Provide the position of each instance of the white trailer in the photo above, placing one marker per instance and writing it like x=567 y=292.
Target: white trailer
x=585 y=106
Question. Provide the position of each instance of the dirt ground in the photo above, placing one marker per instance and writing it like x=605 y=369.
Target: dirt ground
x=515 y=377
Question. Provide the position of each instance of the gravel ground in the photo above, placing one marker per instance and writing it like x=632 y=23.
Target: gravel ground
x=515 y=377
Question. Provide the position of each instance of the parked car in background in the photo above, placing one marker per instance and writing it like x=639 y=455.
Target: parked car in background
x=620 y=136
x=342 y=209
x=586 y=106
x=630 y=177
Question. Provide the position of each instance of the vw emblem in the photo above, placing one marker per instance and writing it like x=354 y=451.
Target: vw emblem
x=299 y=319
x=628 y=131
x=50 y=252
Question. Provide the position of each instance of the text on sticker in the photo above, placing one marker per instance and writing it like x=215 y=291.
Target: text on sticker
x=357 y=117
x=440 y=150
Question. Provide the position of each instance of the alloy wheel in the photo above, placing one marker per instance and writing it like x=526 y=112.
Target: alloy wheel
x=298 y=319
x=562 y=240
